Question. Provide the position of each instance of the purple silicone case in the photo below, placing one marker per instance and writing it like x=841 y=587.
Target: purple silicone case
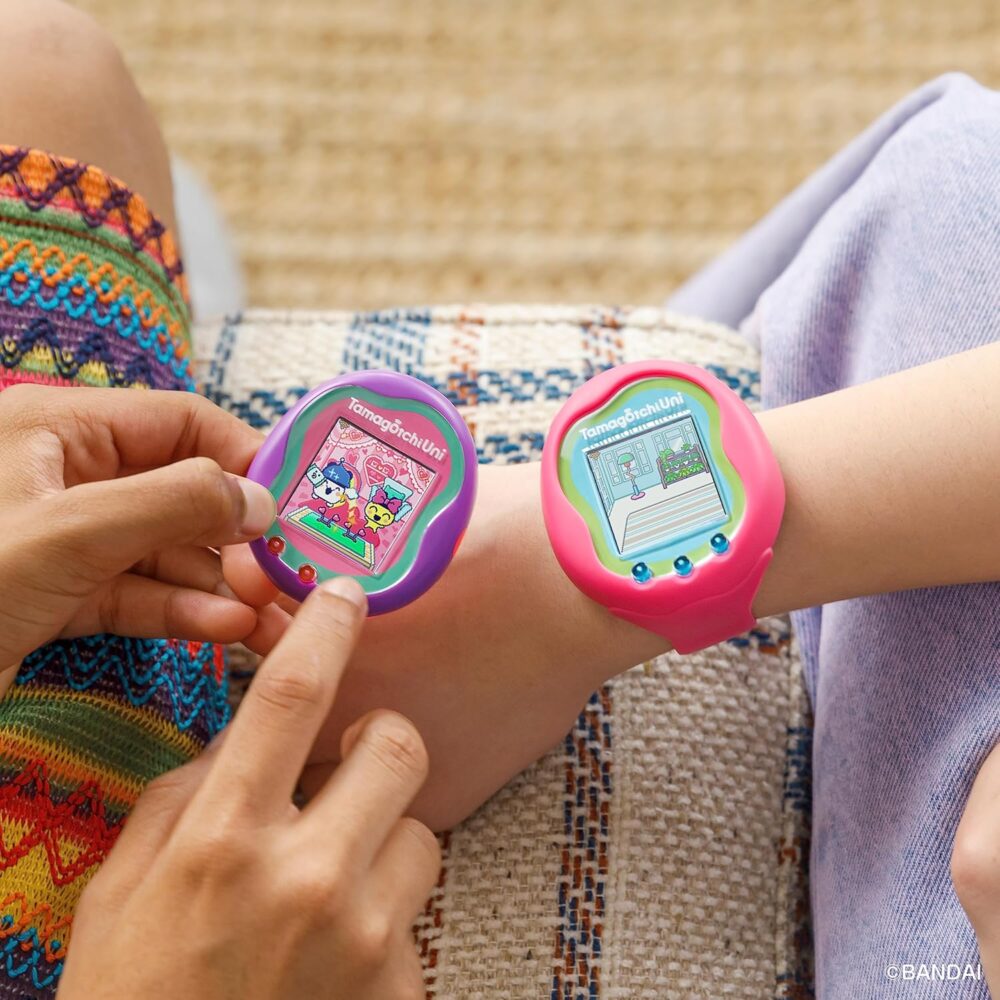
x=440 y=537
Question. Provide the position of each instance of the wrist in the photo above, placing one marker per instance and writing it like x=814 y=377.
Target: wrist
x=575 y=633
x=791 y=579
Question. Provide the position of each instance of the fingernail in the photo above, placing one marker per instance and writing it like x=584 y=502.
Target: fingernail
x=348 y=588
x=259 y=511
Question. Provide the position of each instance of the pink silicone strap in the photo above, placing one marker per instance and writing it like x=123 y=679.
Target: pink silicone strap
x=710 y=620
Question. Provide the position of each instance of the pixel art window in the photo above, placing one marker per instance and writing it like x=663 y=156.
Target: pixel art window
x=656 y=485
x=358 y=496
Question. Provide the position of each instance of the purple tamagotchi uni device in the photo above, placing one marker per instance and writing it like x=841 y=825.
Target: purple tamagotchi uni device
x=374 y=476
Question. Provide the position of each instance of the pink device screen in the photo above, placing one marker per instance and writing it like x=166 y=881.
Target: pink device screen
x=358 y=496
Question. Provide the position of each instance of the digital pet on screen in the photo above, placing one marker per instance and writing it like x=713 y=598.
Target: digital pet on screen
x=656 y=484
x=357 y=495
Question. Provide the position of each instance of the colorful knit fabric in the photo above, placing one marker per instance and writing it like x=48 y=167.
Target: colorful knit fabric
x=92 y=292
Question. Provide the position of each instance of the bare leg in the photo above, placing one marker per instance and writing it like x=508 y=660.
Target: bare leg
x=67 y=90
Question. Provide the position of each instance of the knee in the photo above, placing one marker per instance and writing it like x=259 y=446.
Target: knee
x=975 y=870
x=61 y=50
x=68 y=91
x=945 y=156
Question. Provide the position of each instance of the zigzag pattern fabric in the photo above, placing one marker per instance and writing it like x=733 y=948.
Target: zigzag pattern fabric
x=92 y=292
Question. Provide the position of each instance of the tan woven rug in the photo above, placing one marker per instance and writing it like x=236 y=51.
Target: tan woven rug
x=659 y=853
x=536 y=150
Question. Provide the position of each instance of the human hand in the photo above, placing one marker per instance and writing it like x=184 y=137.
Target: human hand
x=220 y=889
x=492 y=664
x=109 y=501
x=975 y=865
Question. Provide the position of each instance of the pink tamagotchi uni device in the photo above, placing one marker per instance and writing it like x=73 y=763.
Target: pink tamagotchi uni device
x=662 y=499
x=374 y=476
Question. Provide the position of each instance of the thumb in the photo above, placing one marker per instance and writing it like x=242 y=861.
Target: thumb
x=109 y=526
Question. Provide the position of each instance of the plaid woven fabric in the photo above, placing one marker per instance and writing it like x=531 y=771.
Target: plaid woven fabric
x=661 y=851
x=92 y=292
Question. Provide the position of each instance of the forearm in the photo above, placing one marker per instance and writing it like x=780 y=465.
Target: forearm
x=494 y=662
x=890 y=485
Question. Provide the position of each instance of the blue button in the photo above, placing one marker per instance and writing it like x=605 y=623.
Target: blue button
x=720 y=543
x=641 y=572
x=683 y=565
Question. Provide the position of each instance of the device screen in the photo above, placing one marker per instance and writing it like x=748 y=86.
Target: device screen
x=358 y=495
x=656 y=485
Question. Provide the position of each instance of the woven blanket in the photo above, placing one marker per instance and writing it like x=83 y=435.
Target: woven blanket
x=570 y=150
x=661 y=851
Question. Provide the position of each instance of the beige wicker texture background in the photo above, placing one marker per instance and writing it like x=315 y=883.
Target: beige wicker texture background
x=382 y=152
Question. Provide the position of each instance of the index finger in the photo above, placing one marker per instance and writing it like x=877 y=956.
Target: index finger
x=291 y=694
x=146 y=428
